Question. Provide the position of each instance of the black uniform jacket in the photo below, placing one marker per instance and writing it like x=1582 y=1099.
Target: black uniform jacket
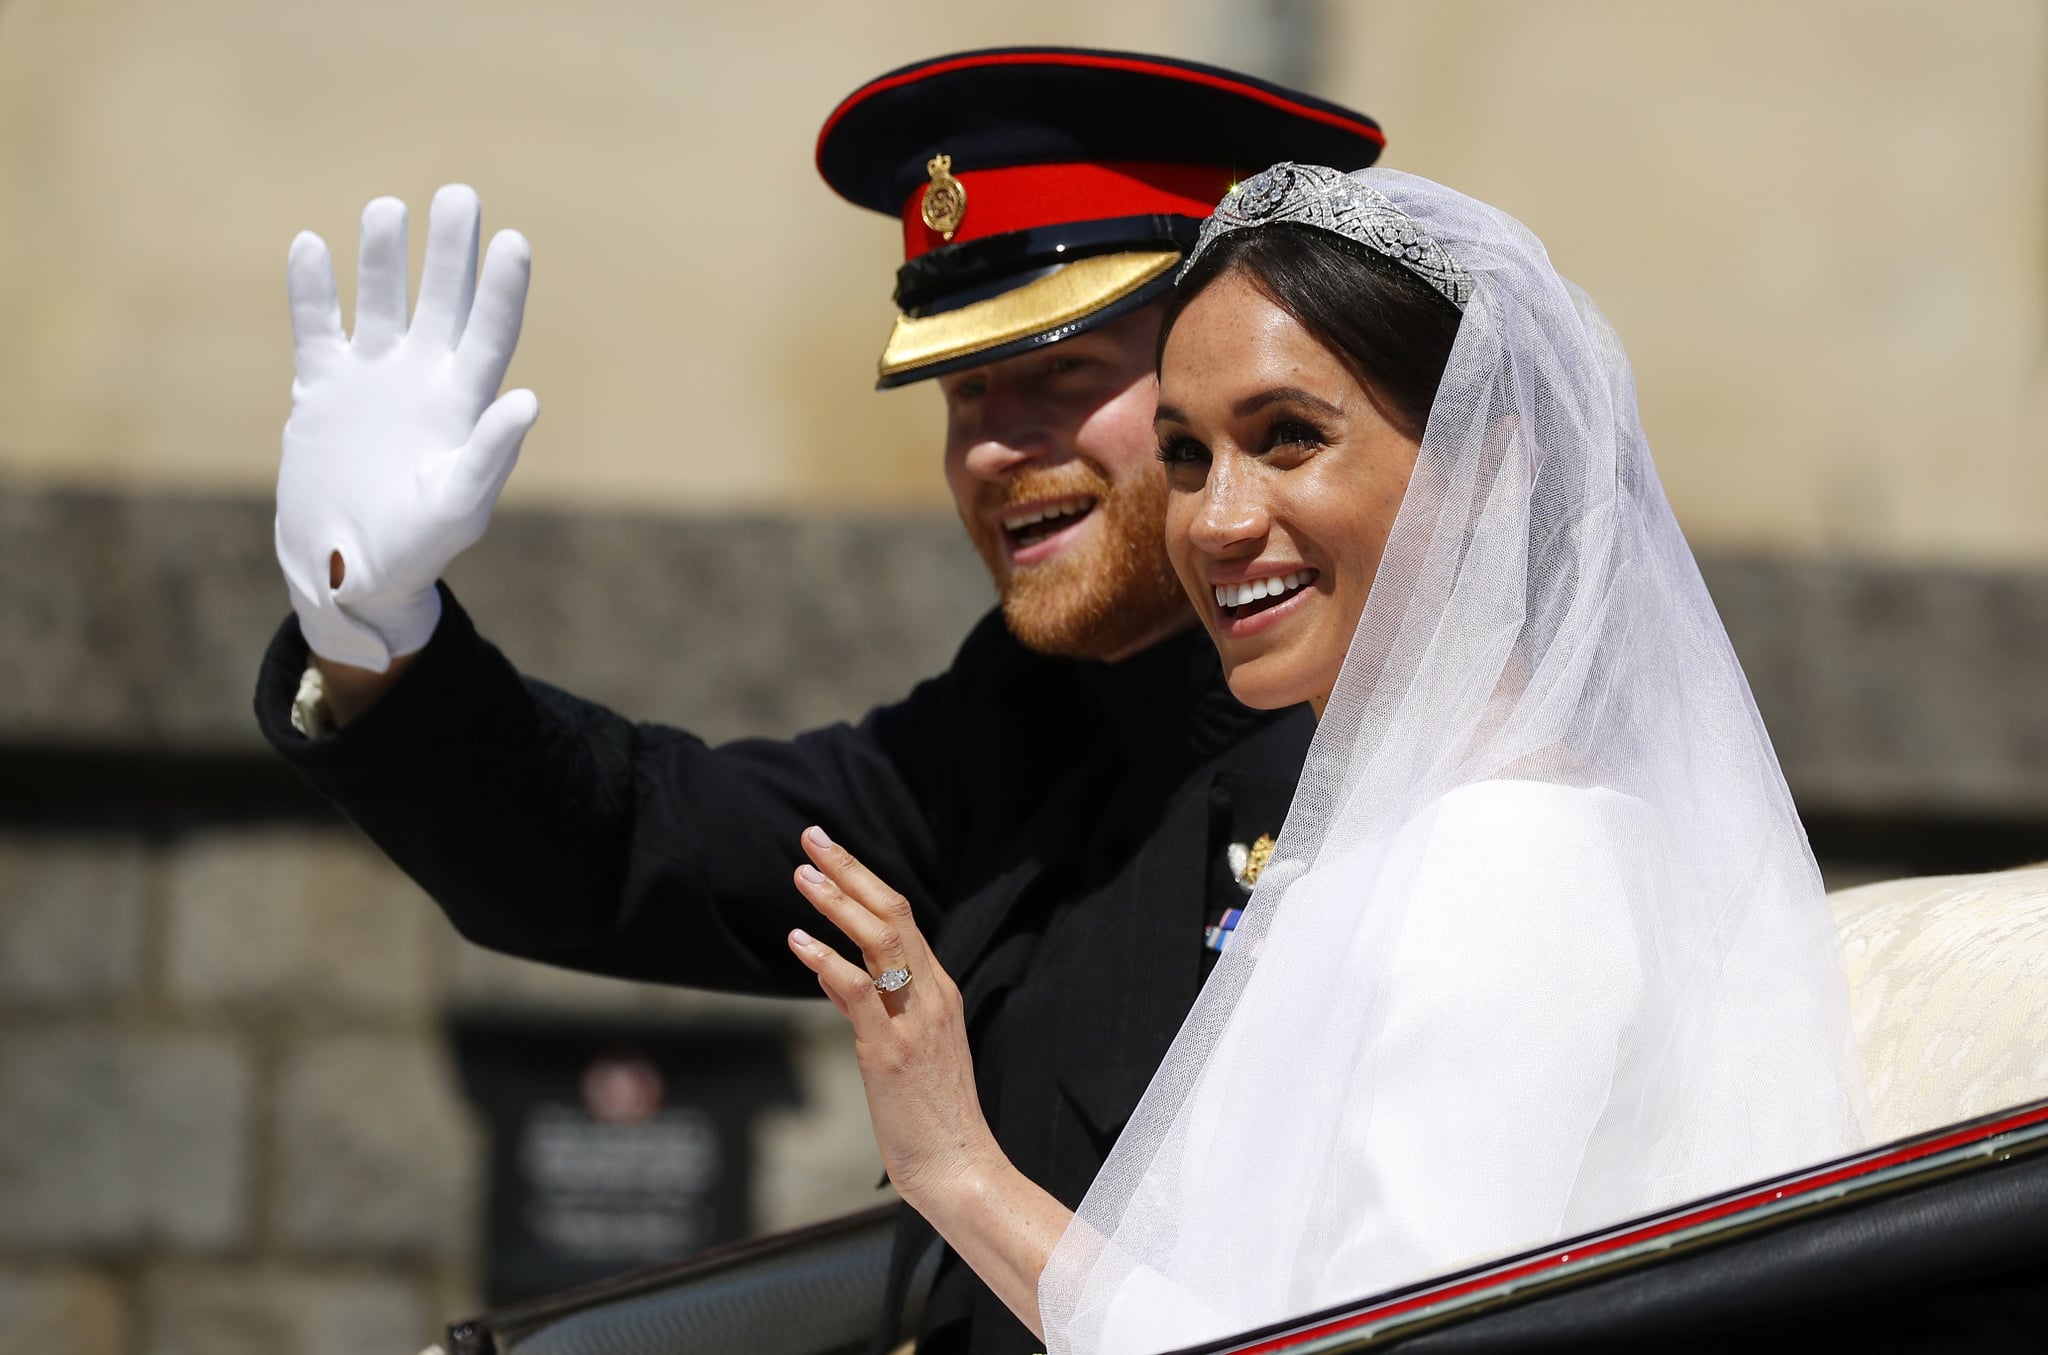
x=1061 y=828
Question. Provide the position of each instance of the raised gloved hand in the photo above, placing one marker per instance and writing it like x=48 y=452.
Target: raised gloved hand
x=396 y=449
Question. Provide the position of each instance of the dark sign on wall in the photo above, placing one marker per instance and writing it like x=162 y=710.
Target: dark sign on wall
x=613 y=1145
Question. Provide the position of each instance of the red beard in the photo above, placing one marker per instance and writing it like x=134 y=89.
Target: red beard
x=1098 y=598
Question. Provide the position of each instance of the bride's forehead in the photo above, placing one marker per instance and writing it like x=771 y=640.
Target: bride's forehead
x=1233 y=335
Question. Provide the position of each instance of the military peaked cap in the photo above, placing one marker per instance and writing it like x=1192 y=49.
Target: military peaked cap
x=1045 y=190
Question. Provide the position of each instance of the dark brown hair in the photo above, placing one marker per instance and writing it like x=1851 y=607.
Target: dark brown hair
x=1390 y=327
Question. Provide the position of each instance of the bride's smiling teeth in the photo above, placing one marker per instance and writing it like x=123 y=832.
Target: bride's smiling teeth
x=1027 y=525
x=1254 y=595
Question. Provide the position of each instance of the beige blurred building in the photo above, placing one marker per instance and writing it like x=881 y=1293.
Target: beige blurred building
x=228 y=1119
x=1822 y=228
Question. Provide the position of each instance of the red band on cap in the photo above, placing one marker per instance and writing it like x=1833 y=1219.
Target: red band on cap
x=1026 y=196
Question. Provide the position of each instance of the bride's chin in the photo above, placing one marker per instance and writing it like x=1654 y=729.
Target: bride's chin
x=1265 y=684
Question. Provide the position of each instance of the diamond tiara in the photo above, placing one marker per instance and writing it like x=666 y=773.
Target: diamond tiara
x=1326 y=199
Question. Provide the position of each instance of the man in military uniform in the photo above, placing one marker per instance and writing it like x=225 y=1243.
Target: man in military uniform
x=1073 y=807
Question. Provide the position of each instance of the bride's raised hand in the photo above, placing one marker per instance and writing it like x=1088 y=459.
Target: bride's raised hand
x=910 y=1036
x=911 y=1040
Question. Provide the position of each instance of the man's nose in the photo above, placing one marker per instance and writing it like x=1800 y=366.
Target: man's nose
x=1008 y=434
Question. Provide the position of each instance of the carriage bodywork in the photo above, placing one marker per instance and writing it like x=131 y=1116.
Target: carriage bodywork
x=1939 y=1242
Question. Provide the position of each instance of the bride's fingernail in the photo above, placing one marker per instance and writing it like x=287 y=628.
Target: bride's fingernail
x=817 y=836
x=812 y=875
x=801 y=937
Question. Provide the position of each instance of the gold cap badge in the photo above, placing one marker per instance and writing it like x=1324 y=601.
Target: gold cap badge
x=945 y=197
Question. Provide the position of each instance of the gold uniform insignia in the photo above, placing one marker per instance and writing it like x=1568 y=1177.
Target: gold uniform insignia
x=945 y=197
x=1246 y=863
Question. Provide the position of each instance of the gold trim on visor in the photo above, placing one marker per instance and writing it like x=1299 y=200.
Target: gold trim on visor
x=1077 y=290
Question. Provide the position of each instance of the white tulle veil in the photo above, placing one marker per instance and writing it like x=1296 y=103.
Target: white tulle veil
x=1542 y=946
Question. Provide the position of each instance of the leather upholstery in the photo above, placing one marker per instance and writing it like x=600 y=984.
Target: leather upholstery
x=1948 y=978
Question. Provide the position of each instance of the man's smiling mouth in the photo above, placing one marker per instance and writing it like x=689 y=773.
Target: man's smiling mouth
x=1025 y=527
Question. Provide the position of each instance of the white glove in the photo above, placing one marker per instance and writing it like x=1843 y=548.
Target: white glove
x=395 y=450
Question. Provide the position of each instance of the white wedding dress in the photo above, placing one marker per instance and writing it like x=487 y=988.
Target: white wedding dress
x=1418 y=1207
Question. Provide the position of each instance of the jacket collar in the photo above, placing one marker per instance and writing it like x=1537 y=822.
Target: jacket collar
x=1169 y=704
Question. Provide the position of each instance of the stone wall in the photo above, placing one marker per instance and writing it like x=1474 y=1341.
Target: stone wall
x=228 y=1121
x=134 y=622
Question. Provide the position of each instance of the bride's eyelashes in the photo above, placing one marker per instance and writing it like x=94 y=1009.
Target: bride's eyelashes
x=1282 y=435
x=1182 y=451
x=1295 y=434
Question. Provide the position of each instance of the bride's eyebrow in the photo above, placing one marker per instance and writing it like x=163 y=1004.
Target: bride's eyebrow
x=1278 y=395
x=1168 y=414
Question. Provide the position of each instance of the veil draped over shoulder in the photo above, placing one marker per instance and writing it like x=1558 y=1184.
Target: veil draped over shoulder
x=1541 y=946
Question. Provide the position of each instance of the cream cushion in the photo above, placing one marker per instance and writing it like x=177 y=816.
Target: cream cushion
x=1948 y=979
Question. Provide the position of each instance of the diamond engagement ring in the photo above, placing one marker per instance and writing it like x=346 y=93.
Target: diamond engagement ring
x=891 y=980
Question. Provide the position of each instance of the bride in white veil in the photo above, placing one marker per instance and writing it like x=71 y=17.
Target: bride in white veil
x=1541 y=946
